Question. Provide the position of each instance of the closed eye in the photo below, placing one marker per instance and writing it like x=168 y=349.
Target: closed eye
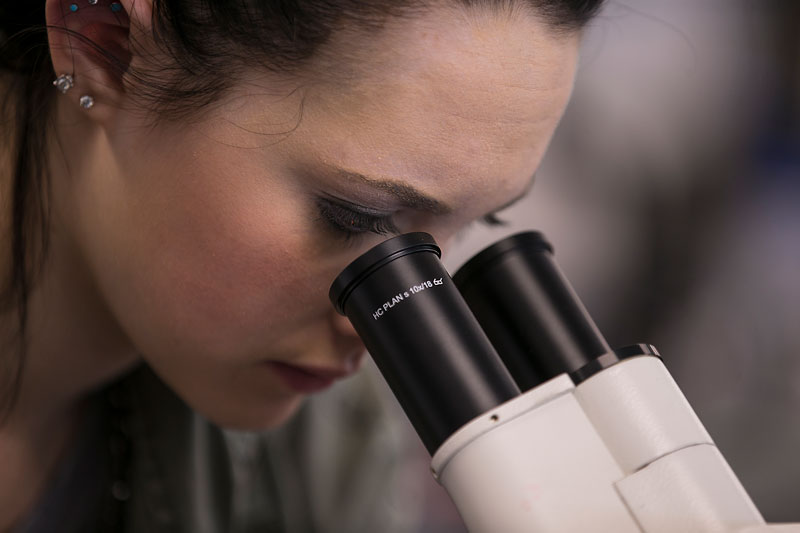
x=350 y=220
x=493 y=220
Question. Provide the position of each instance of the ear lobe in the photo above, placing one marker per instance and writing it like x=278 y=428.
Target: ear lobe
x=92 y=42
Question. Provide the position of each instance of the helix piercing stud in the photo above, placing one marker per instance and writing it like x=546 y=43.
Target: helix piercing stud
x=64 y=83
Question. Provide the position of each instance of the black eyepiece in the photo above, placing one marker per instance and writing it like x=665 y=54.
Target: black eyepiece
x=528 y=309
x=375 y=258
x=423 y=337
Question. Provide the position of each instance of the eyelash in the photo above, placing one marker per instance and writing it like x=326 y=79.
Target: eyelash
x=493 y=220
x=351 y=223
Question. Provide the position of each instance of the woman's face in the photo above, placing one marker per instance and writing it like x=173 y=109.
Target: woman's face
x=214 y=244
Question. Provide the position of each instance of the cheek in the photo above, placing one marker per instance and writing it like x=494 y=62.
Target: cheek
x=206 y=260
x=222 y=277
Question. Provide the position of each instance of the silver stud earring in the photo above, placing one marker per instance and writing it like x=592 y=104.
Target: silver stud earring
x=64 y=83
x=86 y=101
x=93 y=2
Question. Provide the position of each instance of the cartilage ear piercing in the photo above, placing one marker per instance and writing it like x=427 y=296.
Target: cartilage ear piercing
x=92 y=2
x=64 y=83
x=73 y=7
x=86 y=101
x=116 y=7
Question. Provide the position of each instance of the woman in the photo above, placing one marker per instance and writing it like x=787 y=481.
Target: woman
x=181 y=183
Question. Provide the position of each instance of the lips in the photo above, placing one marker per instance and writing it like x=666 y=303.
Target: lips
x=305 y=379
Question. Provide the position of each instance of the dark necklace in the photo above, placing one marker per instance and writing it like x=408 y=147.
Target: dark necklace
x=118 y=407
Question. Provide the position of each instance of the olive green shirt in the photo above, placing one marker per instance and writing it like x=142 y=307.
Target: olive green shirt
x=337 y=466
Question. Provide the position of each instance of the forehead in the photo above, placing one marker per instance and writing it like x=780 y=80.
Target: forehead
x=448 y=101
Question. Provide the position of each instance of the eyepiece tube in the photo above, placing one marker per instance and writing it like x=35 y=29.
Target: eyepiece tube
x=423 y=337
x=528 y=309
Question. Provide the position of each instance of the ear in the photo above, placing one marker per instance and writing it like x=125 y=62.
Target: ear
x=92 y=43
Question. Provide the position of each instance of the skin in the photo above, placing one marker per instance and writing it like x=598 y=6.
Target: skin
x=200 y=247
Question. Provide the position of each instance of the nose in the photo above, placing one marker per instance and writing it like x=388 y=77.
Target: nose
x=342 y=325
x=347 y=341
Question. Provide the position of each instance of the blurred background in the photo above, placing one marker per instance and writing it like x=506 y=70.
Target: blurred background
x=671 y=194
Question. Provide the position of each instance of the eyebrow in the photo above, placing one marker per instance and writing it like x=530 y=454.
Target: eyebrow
x=414 y=198
x=408 y=195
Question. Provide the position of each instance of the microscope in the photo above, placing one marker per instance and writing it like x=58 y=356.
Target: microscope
x=533 y=422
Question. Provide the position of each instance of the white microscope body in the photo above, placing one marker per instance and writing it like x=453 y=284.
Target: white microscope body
x=600 y=440
x=621 y=452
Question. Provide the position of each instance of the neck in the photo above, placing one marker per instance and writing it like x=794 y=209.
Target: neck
x=73 y=344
